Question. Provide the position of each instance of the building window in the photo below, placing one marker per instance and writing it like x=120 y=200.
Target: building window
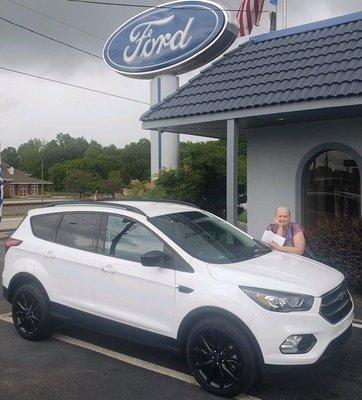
x=23 y=191
x=12 y=190
x=332 y=187
x=34 y=190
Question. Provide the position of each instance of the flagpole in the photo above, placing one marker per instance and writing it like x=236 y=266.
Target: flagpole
x=285 y=9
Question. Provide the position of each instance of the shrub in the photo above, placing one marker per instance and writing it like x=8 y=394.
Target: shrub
x=337 y=242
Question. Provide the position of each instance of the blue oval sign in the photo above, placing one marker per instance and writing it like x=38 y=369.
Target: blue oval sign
x=172 y=38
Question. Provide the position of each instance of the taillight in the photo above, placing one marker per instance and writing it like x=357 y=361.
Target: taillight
x=12 y=242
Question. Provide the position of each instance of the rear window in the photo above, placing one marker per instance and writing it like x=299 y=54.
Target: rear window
x=79 y=230
x=45 y=226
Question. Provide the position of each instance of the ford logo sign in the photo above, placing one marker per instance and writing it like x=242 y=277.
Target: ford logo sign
x=172 y=38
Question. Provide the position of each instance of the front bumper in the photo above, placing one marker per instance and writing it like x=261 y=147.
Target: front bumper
x=330 y=351
x=271 y=329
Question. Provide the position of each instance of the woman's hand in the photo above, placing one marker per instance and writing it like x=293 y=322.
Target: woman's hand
x=275 y=245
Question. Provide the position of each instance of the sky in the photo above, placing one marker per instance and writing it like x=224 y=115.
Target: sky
x=32 y=108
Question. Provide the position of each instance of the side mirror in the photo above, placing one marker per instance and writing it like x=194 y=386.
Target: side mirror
x=155 y=258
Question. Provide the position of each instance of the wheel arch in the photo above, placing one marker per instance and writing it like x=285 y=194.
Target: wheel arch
x=202 y=312
x=20 y=279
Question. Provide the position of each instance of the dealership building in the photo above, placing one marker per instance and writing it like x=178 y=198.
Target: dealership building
x=296 y=95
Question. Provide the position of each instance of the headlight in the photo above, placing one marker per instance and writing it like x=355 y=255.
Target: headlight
x=279 y=301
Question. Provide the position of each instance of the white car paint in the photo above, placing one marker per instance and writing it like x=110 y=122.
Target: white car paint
x=148 y=298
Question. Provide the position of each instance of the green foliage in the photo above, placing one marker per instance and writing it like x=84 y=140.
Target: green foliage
x=113 y=184
x=57 y=174
x=136 y=159
x=337 y=242
x=10 y=156
x=30 y=158
x=200 y=179
x=82 y=183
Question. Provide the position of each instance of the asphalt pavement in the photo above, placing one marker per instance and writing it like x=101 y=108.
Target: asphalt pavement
x=80 y=364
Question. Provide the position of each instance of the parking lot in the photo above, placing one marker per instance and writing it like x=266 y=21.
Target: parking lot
x=78 y=364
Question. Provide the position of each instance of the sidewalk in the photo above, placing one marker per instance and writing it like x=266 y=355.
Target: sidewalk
x=9 y=202
x=7 y=225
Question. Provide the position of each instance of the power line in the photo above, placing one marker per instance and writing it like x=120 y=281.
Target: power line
x=50 y=38
x=109 y=3
x=56 y=20
x=72 y=85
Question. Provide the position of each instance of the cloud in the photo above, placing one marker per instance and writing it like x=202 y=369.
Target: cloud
x=33 y=108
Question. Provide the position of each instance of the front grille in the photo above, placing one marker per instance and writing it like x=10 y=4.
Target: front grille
x=336 y=304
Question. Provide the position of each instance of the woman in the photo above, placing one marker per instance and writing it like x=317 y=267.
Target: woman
x=291 y=231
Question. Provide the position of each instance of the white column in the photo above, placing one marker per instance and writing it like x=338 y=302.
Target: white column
x=164 y=146
x=232 y=171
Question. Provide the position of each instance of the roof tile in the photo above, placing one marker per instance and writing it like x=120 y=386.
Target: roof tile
x=318 y=64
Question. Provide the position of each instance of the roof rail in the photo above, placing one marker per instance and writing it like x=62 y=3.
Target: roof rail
x=184 y=203
x=97 y=203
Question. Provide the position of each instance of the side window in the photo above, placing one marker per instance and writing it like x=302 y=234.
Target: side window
x=79 y=230
x=129 y=240
x=45 y=226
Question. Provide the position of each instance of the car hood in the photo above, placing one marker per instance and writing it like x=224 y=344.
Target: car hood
x=279 y=271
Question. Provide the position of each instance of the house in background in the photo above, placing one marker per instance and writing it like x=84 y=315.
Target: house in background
x=19 y=183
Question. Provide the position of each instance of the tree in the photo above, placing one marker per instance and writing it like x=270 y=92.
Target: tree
x=136 y=159
x=57 y=174
x=51 y=155
x=200 y=179
x=82 y=183
x=30 y=157
x=114 y=183
x=71 y=148
x=10 y=156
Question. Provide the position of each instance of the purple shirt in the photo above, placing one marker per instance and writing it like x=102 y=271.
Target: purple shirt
x=292 y=229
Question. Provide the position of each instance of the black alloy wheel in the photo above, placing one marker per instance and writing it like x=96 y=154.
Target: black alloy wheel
x=27 y=313
x=217 y=358
x=221 y=357
x=30 y=312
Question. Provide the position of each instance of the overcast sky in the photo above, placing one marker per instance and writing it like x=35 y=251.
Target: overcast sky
x=32 y=108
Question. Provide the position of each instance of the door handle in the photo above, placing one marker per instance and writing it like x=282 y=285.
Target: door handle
x=49 y=254
x=109 y=269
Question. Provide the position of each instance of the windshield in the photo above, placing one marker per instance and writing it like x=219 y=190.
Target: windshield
x=208 y=238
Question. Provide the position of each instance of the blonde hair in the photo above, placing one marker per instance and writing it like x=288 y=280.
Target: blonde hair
x=283 y=208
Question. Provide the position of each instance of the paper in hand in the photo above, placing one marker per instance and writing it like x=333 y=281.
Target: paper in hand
x=269 y=236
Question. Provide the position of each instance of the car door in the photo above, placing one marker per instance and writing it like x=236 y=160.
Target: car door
x=71 y=262
x=125 y=290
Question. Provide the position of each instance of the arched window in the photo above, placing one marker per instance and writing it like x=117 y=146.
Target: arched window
x=332 y=187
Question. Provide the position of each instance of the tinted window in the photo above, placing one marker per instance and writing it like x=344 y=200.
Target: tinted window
x=79 y=230
x=208 y=238
x=129 y=240
x=332 y=188
x=45 y=226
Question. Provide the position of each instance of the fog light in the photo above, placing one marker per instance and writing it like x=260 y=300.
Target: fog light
x=298 y=344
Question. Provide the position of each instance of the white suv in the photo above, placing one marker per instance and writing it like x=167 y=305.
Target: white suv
x=170 y=274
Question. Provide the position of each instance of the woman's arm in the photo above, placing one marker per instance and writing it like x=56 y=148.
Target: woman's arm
x=298 y=248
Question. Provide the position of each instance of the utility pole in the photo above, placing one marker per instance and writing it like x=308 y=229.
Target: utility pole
x=42 y=176
x=42 y=169
x=67 y=180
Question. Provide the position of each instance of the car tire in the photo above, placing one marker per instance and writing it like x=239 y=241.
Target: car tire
x=221 y=357
x=31 y=313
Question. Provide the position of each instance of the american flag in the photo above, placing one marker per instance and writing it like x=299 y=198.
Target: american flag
x=1 y=193
x=249 y=15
